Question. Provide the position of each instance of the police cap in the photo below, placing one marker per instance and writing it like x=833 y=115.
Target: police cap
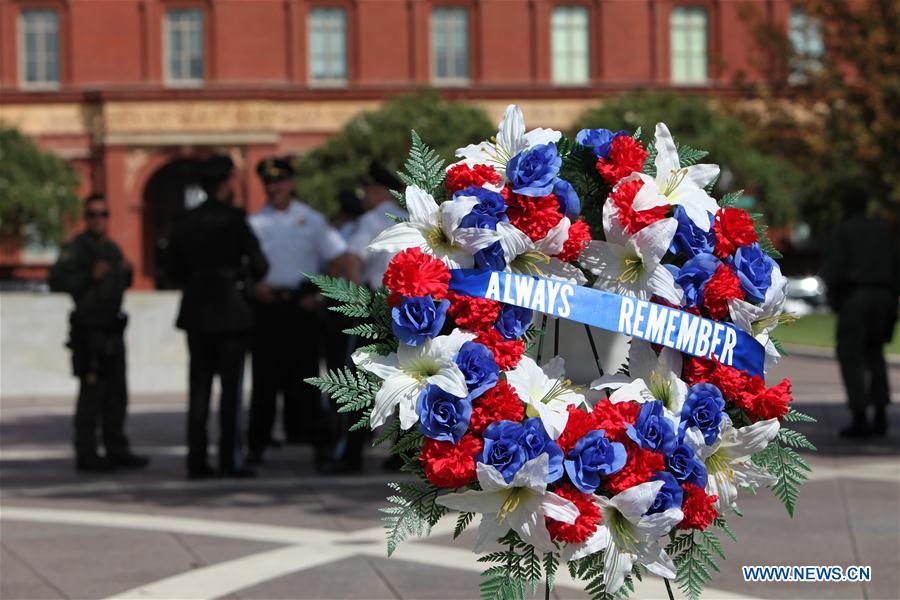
x=275 y=168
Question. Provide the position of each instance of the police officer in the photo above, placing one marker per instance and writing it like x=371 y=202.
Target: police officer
x=92 y=269
x=287 y=334
x=215 y=258
x=862 y=271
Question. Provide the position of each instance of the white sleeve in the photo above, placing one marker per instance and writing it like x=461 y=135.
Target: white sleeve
x=330 y=243
x=358 y=243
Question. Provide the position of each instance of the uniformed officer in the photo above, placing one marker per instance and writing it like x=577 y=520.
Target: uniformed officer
x=216 y=259
x=287 y=334
x=92 y=269
x=368 y=267
x=862 y=271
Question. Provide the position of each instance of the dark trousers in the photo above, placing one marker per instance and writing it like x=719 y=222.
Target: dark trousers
x=286 y=347
x=865 y=320
x=214 y=354
x=348 y=445
x=103 y=395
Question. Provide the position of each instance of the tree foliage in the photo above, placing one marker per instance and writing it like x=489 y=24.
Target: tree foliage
x=701 y=122
x=383 y=135
x=37 y=190
x=837 y=116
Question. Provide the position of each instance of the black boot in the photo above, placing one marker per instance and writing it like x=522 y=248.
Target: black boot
x=94 y=464
x=858 y=428
x=129 y=460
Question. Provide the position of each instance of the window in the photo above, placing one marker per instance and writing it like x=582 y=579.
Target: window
x=571 y=44
x=808 y=45
x=688 y=30
x=450 y=45
x=184 y=46
x=39 y=48
x=328 y=45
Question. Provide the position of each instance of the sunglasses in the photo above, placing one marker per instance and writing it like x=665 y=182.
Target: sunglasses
x=93 y=214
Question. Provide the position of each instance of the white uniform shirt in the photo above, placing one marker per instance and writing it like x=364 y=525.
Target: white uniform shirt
x=296 y=240
x=369 y=225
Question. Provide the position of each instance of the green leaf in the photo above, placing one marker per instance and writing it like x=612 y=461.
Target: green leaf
x=731 y=198
x=424 y=167
x=794 y=415
x=694 y=562
x=412 y=513
x=341 y=290
x=789 y=470
x=723 y=525
x=794 y=439
x=351 y=390
x=462 y=521
x=551 y=565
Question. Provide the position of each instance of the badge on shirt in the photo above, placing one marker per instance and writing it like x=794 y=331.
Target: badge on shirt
x=301 y=221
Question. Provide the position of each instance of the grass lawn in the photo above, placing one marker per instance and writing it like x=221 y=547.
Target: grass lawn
x=818 y=330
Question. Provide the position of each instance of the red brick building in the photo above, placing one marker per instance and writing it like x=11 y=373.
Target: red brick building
x=133 y=92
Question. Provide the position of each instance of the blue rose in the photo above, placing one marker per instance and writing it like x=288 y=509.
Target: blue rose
x=533 y=172
x=669 y=495
x=491 y=258
x=598 y=140
x=702 y=409
x=569 y=202
x=689 y=239
x=754 y=268
x=693 y=276
x=513 y=321
x=537 y=442
x=592 y=457
x=478 y=366
x=686 y=467
x=418 y=318
x=652 y=430
x=443 y=416
x=479 y=220
x=503 y=448
x=489 y=202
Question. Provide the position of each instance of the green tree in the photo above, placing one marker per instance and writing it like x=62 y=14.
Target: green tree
x=383 y=135
x=703 y=123
x=836 y=114
x=37 y=191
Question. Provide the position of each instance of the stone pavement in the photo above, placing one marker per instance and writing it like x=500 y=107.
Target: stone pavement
x=291 y=534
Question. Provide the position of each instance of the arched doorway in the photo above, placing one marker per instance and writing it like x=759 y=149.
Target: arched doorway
x=169 y=192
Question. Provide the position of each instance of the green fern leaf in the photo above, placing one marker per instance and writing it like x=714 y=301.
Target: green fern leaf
x=794 y=439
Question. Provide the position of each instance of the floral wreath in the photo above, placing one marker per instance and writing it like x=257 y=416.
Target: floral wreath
x=628 y=475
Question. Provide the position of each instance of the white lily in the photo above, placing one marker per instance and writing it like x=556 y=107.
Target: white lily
x=524 y=256
x=675 y=184
x=631 y=265
x=759 y=321
x=546 y=392
x=628 y=535
x=511 y=139
x=728 y=461
x=435 y=230
x=407 y=372
x=660 y=372
x=520 y=505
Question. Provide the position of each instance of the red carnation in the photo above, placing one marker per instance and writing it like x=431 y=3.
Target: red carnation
x=614 y=418
x=449 y=465
x=579 y=236
x=506 y=352
x=461 y=176
x=474 y=314
x=772 y=403
x=626 y=156
x=534 y=217
x=723 y=286
x=586 y=523
x=414 y=273
x=500 y=403
x=634 y=220
x=733 y=228
x=638 y=469
x=697 y=370
x=580 y=423
x=697 y=507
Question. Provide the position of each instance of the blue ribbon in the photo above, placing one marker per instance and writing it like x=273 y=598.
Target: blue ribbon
x=670 y=327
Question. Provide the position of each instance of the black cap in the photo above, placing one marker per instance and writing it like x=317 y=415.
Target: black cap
x=380 y=175
x=275 y=168
x=350 y=202
x=215 y=169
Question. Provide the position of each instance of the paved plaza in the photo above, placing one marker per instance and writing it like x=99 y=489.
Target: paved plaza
x=292 y=534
